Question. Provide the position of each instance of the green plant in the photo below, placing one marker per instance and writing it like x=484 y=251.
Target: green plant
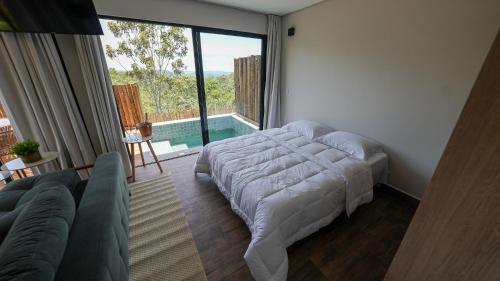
x=24 y=148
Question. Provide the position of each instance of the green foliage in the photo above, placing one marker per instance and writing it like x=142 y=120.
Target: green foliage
x=24 y=148
x=154 y=50
x=220 y=91
x=157 y=68
x=182 y=94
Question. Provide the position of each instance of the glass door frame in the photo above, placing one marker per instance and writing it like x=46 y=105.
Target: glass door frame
x=198 y=61
x=200 y=78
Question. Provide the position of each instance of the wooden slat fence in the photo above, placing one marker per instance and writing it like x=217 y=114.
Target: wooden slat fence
x=2 y=112
x=247 y=82
x=7 y=139
x=189 y=114
x=129 y=105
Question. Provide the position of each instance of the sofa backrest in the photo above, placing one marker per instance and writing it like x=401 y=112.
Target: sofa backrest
x=97 y=247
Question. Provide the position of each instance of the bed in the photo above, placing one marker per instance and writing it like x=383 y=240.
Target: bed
x=286 y=185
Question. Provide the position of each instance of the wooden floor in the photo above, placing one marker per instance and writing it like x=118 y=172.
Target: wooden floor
x=358 y=248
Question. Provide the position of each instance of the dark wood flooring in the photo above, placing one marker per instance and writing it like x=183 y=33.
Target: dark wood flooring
x=357 y=248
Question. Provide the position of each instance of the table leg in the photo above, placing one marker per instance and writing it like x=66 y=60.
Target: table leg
x=133 y=161
x=142 y=154
x=154 y=155
x=19 y=174
x=24 y=173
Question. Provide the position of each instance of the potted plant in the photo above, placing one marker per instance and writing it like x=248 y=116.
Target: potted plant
x=145 y=127
x=27 y=151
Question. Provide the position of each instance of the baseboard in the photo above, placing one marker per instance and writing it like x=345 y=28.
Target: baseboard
x=399 y=191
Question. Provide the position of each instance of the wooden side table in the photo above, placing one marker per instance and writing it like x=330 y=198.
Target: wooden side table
x=138 y=139
x=17 y=165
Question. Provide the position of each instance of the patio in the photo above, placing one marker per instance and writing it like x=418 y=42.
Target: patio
x=183 y=137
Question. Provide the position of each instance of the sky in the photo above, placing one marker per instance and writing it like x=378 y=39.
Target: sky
x=218 y=50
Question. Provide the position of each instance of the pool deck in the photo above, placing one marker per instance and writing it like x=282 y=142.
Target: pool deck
x=175 y=129
x=164 y=151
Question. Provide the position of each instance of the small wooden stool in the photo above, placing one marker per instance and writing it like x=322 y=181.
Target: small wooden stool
x=138 y=139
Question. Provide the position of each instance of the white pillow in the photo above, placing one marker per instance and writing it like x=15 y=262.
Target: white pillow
x=356 y=145
x=308 y=129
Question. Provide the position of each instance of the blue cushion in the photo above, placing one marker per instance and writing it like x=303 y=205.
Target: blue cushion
x=9 y=210
x=35 y=244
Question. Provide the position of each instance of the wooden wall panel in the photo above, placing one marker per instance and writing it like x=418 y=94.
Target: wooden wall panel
x=455 y=234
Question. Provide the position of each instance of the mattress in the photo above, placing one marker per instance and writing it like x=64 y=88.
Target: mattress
x=379 y=164
x=286 y=187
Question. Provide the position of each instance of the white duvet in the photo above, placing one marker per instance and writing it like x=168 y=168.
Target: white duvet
x=285 y=187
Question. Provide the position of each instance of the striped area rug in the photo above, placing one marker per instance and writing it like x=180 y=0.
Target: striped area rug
x=161 y=246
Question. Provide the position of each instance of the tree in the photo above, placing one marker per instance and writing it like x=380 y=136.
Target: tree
x=154 y=51
x=220 y=92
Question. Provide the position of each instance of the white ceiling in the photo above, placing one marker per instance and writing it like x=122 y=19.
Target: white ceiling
x=275 y=7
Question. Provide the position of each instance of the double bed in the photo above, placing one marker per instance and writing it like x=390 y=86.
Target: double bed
x=287 y=183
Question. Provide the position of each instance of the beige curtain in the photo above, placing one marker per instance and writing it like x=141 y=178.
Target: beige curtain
x=37 y=96
x=272 y=95
x=101 y=97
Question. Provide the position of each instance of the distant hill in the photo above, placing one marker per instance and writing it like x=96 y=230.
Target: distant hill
x=209 y=74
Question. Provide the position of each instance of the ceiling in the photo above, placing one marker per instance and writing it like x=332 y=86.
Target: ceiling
x=275 y=7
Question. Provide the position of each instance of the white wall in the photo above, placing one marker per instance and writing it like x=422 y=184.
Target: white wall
x=185 y=12
x=398 y=71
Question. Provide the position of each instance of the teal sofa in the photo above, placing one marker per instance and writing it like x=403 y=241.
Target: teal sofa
x=57 y=227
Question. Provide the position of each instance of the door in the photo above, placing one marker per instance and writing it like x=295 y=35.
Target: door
x=230 y=78
x=153 y=75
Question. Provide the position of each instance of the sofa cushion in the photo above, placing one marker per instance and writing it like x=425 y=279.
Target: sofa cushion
x=6 y=221
x=8 y=199
x=9 y=210
x=35 y=244
x=18 y=193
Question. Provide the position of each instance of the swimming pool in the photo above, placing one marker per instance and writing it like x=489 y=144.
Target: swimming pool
x=196 y=140
x=184 y=135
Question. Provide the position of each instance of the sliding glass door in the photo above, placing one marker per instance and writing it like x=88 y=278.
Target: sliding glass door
x=232 y=81
x=153 y=74
x=194 y=84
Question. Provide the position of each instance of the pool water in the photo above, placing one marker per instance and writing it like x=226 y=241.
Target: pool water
x=195 y=140
x=177 y=137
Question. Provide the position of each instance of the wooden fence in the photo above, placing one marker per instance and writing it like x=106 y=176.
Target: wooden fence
x=247 y=84
x=2 y=112
x=129 y=105
x=7 y=139
x=189 y=114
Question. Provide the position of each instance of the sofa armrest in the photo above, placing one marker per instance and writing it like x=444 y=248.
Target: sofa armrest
x=101 y=225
